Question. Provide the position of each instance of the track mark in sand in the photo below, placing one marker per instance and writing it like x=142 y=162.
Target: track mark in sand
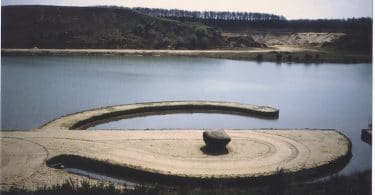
x=20 y=159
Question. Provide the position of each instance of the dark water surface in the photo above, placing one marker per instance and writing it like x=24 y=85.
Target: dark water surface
x=38 y=89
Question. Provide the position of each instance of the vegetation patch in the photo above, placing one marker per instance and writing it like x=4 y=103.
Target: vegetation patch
x=359 y=183
x=98 y=27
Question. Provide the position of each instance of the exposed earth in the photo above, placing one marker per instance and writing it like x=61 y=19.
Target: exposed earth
x=166 y=156
x=299 y=39
x=252 y=153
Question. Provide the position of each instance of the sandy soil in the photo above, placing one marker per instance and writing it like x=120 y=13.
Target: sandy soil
x=172 y=152
x=288 y=39
x=105 y=114
x=277 y=48
x=289 y=53
x=178 y=153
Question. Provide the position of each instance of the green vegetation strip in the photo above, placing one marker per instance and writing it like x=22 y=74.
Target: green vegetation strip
x=358 y=183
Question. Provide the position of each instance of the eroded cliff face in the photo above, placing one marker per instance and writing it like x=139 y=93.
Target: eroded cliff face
x=303 y=39
x=299 y=39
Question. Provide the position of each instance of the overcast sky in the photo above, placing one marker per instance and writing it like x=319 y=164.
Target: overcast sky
x=292 y=9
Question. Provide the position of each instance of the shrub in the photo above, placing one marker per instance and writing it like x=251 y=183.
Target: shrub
x=307 y=57
x=289 y=58
x=259 y=57
x=279 y=57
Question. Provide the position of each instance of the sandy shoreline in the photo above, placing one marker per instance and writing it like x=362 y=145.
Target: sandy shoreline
x=277 y=53
x=153 y=51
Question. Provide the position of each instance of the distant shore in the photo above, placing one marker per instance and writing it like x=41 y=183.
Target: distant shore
x=280 y=53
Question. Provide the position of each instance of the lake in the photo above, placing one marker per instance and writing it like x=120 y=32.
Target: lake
x=37 y=89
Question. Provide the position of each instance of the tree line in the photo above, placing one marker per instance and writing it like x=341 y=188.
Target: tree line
x=250 y=20
x=208 y=15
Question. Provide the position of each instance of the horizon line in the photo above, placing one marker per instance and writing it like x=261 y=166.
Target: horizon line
x=129 y=7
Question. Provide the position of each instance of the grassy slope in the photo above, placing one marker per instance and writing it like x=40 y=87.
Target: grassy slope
x=96 y=27
x=120 y=28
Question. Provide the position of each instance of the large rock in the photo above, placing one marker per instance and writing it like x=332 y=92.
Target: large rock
x=216 y=140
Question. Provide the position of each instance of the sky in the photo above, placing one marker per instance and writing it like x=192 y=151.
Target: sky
x=291 y=9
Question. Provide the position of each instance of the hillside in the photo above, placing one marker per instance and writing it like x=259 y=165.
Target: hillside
x=100 y=27
x=351 y=34
x=260 y=22
x=56 y=27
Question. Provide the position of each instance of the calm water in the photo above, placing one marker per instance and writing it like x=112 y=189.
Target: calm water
x=38 y=89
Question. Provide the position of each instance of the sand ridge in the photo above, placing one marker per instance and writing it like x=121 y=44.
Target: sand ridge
x=85 y=119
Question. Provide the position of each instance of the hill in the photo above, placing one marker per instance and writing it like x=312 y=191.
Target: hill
x=142 y=28
x=104 y=27
x=352 y=34
x=253 y=21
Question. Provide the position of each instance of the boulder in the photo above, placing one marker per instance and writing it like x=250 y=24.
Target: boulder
x=216 y=140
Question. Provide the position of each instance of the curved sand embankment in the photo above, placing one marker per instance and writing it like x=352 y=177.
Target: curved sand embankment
x=170 y=156
x=85 y=119
x=167 y=156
